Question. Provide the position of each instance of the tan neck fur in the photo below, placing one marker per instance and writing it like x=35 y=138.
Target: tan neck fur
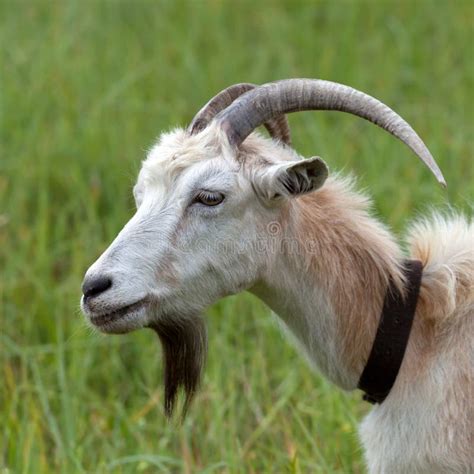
x=331 y=293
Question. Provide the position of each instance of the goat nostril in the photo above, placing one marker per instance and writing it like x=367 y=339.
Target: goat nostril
x=96 y=285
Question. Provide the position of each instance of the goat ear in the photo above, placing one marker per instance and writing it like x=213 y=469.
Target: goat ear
x=294 y=178
x=304 y=176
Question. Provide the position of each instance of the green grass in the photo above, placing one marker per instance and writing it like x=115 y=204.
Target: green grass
x=85 y=87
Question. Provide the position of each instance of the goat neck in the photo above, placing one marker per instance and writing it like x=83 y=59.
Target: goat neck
x=328 y=278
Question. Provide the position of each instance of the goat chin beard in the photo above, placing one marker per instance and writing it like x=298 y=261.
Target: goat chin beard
x=184 y=343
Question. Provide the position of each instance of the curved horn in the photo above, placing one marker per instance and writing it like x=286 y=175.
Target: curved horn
x=277 y=126
x=293 y=95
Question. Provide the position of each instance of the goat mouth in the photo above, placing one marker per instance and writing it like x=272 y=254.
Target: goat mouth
x=118 y=313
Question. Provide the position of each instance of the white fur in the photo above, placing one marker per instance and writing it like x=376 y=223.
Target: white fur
x=179 y=257
x=426 y=425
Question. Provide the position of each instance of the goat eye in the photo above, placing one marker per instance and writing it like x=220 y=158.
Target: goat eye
x=209 y=198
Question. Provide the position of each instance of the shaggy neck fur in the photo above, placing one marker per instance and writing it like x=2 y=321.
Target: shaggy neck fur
x=329 y=278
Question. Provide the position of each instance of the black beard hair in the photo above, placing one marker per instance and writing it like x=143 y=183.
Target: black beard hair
x=184 y=342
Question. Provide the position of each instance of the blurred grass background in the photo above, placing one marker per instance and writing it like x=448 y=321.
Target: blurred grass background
x=85 y=88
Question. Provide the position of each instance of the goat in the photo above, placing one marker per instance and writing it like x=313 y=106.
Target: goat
x=222 y=209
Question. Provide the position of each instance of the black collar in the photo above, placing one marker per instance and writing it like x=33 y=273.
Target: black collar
x=391 y=339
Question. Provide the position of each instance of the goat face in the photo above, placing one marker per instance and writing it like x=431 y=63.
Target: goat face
x=200 y=231
x=205 y=215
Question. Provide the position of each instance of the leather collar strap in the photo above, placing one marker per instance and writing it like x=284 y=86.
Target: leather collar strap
x=391 y=339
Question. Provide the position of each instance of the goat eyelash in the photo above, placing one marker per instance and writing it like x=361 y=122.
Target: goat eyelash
x=208 y=198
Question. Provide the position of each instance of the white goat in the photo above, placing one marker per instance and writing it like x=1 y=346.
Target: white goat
x=221 y=209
